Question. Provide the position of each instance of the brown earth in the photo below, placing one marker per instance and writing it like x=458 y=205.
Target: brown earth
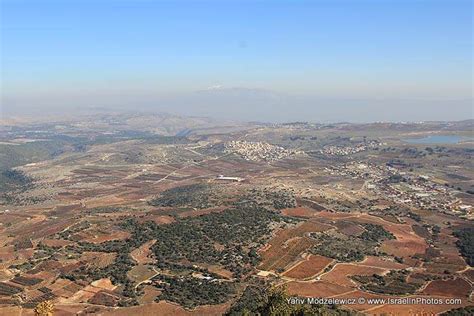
x=288 y=244
x=310 y=267
x=341 y=273
x=299 y=212
x=315 y=289
x=142 y=253
x=278 y=258
x=380 y=262
x=452 y=288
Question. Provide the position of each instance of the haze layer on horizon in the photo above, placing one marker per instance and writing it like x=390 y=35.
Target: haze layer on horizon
x=355 y=61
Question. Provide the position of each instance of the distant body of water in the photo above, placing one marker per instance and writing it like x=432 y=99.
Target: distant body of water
x=438 y=139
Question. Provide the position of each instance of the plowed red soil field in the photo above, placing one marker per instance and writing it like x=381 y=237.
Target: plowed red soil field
x=315 y=289
x=341 y=273
x=452 y=288
x=308 y=268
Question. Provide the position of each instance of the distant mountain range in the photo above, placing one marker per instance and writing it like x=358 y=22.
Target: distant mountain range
x=253 y=104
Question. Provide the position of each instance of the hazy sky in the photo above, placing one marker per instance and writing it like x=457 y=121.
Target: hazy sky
x=157 y=54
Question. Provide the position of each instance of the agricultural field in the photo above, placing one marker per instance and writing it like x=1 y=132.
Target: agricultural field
x=308 y=267
x=146 y=221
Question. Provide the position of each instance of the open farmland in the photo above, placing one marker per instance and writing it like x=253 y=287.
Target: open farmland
x=286 y=254
x=142 y=253
x=342 y=272
x=316 y=289
x=299 y=212
x=309 y=267
x=288 y=244
x=454 y=288
x=186 y=226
